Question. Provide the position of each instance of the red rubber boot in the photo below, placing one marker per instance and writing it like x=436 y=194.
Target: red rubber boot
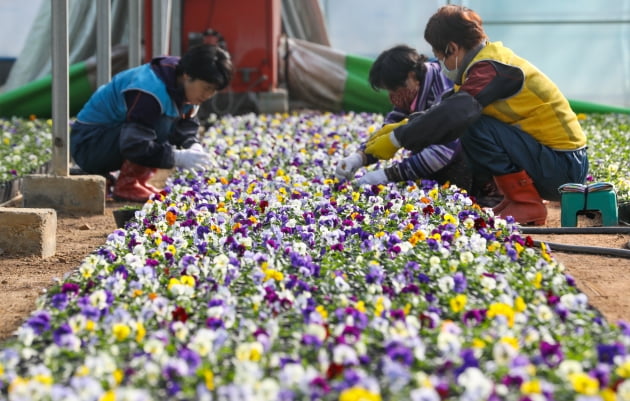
x=522 y=200
x=129 y=185
x=144 y=180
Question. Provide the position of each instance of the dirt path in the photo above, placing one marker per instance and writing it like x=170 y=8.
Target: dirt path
x=22 y=279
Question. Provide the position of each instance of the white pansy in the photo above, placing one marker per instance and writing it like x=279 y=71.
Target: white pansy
x=623 y=391
x=544 y=313
x=446 y=283
x=568 y=367
x=488 y=284
x=477 y=387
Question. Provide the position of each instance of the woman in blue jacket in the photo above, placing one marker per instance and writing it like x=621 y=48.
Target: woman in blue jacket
x=145 y=119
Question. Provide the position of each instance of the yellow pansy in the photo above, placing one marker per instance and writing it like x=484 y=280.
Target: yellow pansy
x=119 y=375
x=187 y=280
x=120 y=331
x=624 y=369
x=511 y=341
x=458 y=303
x=273 y=274
x=537 y=281
x=379 y=307
x=584 y=384
x=501 y=309
x=531 y=387
x=449 y=218
x=358 y=394
x=208 y=378
x=608 y=395
x=173 y=281
x=46 y=380
x=108 y=396
x=82 y=370
x=493 y=246
x=90 y=325
x=140 y=332
x=322 y=311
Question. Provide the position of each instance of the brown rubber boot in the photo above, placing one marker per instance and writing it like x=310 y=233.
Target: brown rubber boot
x=129 y=183
x=522 y=200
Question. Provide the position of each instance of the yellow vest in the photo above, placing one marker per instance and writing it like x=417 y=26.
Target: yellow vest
x=538 y=108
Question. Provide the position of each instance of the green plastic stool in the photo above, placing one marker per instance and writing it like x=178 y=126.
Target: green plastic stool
x=603 y=201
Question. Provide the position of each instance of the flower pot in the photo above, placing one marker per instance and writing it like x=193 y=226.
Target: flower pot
x=122 y=216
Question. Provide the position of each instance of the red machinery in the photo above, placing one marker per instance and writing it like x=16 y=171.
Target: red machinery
x=251 y=30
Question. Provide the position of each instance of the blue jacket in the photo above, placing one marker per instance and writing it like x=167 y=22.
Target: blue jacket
x=138 y=116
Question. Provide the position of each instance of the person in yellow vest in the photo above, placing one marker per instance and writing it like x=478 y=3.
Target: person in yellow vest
x=514 y=123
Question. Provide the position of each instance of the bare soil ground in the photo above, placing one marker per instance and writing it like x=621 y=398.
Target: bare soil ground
x=22 y=279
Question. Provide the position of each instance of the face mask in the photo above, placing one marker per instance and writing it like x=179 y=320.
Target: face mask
x=450 y=74
x=402 y=98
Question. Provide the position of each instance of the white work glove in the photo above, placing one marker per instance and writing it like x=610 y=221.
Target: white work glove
x=190 y=159
x=375 y=177
x=196 y=147
x=348 y=166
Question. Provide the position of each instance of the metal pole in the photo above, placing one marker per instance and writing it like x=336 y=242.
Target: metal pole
x=135 y=32
x=166 y=25
x=60 y=104
x=156 y=29
x=103 y=42
x=176 y=28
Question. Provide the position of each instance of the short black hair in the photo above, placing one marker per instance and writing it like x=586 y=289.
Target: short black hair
x=392 y=66
x=209 y=63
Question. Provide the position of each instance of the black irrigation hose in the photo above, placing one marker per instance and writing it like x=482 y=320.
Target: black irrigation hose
x=575 y=230
x=593 y=250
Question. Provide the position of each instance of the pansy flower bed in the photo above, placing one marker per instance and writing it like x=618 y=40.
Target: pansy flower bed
x=262 y=278
x=25 y=148
x=609 y=149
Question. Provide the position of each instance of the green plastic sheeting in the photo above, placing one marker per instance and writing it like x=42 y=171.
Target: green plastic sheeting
x=358 y=95
x=35 y=98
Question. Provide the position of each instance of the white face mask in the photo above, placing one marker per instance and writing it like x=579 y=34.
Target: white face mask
x=450 y=74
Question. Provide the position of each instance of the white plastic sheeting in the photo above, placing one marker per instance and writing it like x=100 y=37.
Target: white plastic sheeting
x=314 y=74
x=34 y=61
x=582 y=45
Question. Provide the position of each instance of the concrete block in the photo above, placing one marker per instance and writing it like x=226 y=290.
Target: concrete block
x=28 y=231
x=72 y=194
x=276 y=101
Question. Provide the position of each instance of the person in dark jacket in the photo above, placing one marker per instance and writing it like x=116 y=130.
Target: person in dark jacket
x=145 y=119
x=414 y=84
x=514 y=123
